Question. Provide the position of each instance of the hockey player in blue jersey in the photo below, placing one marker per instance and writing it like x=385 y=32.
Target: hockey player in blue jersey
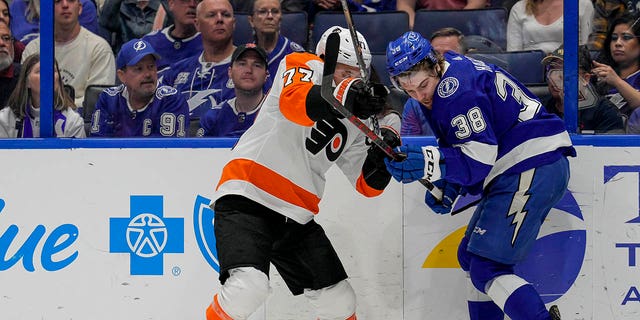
x=495 y=139
x=233 y=117
x=139 y=107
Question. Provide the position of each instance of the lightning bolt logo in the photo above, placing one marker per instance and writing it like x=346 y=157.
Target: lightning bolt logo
x=520 y=198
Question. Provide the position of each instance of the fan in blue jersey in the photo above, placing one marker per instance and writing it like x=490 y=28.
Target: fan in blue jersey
x=179 y=40
x=233 y=117
x=495 y=139
x=203 y=79
x=139 y=107
x=265 y=19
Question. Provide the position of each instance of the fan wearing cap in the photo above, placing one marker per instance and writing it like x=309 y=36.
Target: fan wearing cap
x=139 y=107
x=233 y=117
x=596 y=114
x=494 y=140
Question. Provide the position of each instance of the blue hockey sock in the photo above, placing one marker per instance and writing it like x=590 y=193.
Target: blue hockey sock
x=525 y=304
x=484 y=310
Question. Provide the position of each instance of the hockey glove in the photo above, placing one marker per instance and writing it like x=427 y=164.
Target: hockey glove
x=361 y=99
x=374 y=169
x=376 y=155
x=450 y=191
x=420 y=163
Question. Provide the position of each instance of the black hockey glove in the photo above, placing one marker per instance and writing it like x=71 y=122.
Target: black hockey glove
x=361 y=99
x=374 y=169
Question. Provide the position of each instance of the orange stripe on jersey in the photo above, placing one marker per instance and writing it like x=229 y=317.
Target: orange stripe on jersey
x=271 y=182
x=296 y=85
x=215 y=312
x=365 y=189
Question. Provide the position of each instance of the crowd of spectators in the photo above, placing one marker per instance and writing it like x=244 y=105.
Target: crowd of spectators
x=193 y=54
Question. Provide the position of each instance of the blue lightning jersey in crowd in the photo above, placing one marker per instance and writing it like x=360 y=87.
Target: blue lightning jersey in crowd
x=167 y=115
x=171 y=49
x=283 y=48
x=201 y=83
x=488 y=124
x=224 y=120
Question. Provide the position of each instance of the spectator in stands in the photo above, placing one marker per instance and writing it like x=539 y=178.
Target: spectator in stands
x=204 y=78
x=265 y=20
x=180 y=40
x=595 y=113
x=18 y=46
x=21 y=117
x=139 y=107
x=605 y=11
x=9 y=69
x=84 y=57
x=617 y=65
x=233 y=117
x=411 y=6
x=128 y=19
x=446 y=39
x=539 y=24
x=26 y=18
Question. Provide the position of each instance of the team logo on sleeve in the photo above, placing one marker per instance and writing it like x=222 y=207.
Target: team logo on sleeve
x=329 y=135
x=447 y=87
x=164 y=91
x=113 y=91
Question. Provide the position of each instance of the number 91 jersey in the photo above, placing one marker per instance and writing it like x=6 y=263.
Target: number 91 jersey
x=488 y=123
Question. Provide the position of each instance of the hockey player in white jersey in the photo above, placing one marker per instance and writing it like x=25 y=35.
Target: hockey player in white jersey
x=269 y=192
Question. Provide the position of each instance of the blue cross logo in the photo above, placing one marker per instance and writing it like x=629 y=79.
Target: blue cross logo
x=146 y=235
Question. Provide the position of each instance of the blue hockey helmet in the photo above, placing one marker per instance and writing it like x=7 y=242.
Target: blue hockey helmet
x=406 y=51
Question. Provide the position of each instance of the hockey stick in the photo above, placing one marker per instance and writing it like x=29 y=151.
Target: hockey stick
x=364 y=72
x=326 y=91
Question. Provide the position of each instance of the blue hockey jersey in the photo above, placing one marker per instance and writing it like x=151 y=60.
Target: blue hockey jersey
x=167 y=115
x=487 y=123
x=283 y=48
x=224 y=120
x=200 y=83
x=171 y=49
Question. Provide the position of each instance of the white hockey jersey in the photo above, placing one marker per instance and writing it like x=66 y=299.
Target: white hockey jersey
x=281 y=161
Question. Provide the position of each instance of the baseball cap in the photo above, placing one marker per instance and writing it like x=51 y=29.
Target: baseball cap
x=246 y=47
x=557 y=54
x=133 y=51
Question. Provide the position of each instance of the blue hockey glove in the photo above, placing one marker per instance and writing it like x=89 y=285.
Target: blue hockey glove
x=450 y=191
x=420 y=163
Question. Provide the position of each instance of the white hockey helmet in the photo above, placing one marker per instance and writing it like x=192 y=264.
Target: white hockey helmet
x=346 y=54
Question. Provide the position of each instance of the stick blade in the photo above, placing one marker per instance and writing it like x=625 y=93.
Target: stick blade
x=330 y=61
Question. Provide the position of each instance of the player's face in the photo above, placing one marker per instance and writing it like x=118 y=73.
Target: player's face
x=266 y=16
x=344 y=71
x=420 y=85
x=66 y=12
x=625 y=47
x=184 y=11
x=248 y=72
x=448 y=43
x=141 y=79
x=215 y=20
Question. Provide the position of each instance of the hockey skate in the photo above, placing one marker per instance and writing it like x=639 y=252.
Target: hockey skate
x=554 y=312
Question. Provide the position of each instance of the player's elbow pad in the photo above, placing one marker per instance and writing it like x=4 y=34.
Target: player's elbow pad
x=317 y=107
